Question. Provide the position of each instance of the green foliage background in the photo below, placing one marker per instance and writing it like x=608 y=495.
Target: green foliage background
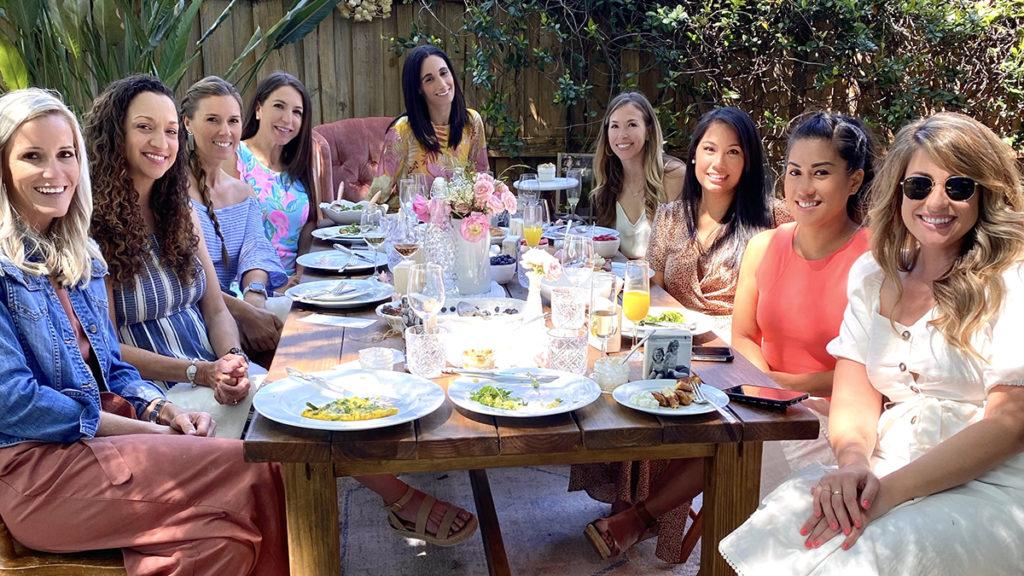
x=886 y=61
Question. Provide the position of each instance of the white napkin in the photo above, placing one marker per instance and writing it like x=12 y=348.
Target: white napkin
x=342 y=321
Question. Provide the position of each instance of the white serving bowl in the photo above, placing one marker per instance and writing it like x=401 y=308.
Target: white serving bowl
x=503 y=273
x=607 y=249
x=396 y=323
x=353 y=211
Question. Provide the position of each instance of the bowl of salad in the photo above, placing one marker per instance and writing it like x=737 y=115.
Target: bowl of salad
x=343 y=211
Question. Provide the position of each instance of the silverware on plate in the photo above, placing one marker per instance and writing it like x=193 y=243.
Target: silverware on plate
x=498 y=376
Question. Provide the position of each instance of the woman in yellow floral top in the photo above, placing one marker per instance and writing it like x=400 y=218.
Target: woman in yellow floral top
x=437 y=134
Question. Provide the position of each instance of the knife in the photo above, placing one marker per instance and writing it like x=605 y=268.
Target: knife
x=504 y=377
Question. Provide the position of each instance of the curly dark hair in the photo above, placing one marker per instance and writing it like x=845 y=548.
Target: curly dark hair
x=117 y=224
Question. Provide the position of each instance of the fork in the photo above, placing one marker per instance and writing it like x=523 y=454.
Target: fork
x=311 y=378
x=700 y=398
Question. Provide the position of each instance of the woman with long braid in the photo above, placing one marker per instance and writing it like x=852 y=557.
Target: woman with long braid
x=228 y=212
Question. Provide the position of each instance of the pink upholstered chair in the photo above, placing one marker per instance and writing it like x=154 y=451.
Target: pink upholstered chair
x=355 y=149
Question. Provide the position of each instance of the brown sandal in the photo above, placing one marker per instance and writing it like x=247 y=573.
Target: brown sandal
x=444 y=535
x=596 y=537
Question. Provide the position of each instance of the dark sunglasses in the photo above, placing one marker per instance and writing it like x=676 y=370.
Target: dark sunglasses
x=958 y=188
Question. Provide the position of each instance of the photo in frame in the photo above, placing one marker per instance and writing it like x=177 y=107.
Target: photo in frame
x=667 y=355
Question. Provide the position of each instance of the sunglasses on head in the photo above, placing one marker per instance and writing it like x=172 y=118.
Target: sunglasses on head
x=958 y=188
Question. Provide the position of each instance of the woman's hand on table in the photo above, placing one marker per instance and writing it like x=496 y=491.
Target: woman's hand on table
x=188 y=423
x=259 y=329
x=293 y=280
x=228 y=376
x=843 y=501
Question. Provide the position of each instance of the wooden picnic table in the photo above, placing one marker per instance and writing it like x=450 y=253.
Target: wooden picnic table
x=453 y=439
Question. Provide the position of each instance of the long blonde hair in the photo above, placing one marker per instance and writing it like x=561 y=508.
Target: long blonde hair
x=971 y=292
x=65 y=250
x=608 y=175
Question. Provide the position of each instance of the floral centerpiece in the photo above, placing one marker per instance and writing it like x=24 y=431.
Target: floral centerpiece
x=467 y=201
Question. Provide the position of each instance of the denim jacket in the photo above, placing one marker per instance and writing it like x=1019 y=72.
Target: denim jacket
x=47 y=391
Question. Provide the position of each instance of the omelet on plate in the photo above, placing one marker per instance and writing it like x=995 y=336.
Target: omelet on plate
x=348 y=409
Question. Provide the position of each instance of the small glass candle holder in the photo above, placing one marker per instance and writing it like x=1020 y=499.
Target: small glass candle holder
x=424 y=351
x=610 y=372
x=567 y=350
x=377 y=358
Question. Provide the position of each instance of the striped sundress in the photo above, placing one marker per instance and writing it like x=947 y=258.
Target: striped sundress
x=161 y=314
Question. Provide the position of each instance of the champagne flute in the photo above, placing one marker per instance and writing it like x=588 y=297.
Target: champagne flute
x=406 y=192
x=572 y=194
x=636 y=296
x=533 y=223
x=426 y=292
x=604 y=307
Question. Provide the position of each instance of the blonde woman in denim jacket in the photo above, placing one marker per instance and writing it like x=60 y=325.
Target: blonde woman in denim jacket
x=174 y=501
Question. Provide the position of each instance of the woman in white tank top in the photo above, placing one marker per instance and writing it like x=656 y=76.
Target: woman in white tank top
x=631 y=174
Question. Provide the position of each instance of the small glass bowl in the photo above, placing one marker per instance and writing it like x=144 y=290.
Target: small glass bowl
x=377 y=358
x=610 y=372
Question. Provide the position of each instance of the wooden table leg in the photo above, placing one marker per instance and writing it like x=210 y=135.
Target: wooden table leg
x=490 y=531
x=311 y=508
x=732 y=489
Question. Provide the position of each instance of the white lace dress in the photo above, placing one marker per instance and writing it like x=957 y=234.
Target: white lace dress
x=935 y=391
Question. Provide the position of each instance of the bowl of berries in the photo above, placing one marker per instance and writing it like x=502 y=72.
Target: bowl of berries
x=606 y=246
x=503 y=268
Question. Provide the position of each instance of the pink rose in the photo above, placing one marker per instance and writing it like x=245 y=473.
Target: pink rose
x=552 y=269
x=419 y=207
x=484 y=176
x=474 y=226
x=501 y=189
x=509 y=200
x=494 y=205
x=461 y=207
x=482 y=191
x=437 y=211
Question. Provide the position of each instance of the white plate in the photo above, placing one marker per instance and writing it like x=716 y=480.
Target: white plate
x=336 y=260
x=625 y=395
x=284 y=400
x=695 y=322
x=334 y=234
x=370 y=291
x=619 y=269
x=556 y=232
x=575 y=391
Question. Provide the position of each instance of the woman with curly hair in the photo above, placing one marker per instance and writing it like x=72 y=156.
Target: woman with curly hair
x=927 y=400
x=73 y=475
x=279 y=159
x=632 y=176
x=228 y=213
x=172 y=322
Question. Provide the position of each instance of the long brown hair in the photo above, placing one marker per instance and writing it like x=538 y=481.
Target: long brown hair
x=971 y=292
x=608 y=173
x=117 y=223
x=209 y=86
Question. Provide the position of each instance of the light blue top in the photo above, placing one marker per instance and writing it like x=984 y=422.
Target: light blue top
x=248 y=247
x=160 y=313
x=47 y=391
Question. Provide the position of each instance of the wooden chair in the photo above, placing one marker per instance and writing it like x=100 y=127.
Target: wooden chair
x=692 y=535
x=16 y=560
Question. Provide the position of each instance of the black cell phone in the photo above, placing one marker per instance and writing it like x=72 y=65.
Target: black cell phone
x=712 y=353
x=777 y=398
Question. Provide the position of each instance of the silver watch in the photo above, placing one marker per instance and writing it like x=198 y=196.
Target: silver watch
x=257 y=287
x=190 y=372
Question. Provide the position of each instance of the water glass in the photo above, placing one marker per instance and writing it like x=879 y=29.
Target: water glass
x=577 y=258
x=376 y=358
x=567 y=350
x=426 y=291
x=424 y=351
x=568 y=308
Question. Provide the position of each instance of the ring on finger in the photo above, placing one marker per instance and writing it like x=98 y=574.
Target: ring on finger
x=836 y=492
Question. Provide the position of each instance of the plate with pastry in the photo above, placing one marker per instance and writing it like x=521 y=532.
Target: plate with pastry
x=669 y=397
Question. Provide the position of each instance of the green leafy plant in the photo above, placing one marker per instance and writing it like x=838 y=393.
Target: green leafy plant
x=79 y=46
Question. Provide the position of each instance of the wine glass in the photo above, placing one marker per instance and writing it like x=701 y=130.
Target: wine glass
x=636 y=295
x=577 y=258
x=406 y=192
x=533 y=223
x=604 y=307
x=371 y=227
x=572 y=194
x=404 y=236
x=426 y=292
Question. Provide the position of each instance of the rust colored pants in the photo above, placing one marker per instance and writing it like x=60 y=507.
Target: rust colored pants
x=176 y=505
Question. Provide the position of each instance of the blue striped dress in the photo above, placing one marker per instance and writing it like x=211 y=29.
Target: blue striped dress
x=247 y=244
x=161 y=314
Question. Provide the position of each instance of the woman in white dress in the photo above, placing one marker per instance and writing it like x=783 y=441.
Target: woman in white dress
x=927 y=418
x=632 y=176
